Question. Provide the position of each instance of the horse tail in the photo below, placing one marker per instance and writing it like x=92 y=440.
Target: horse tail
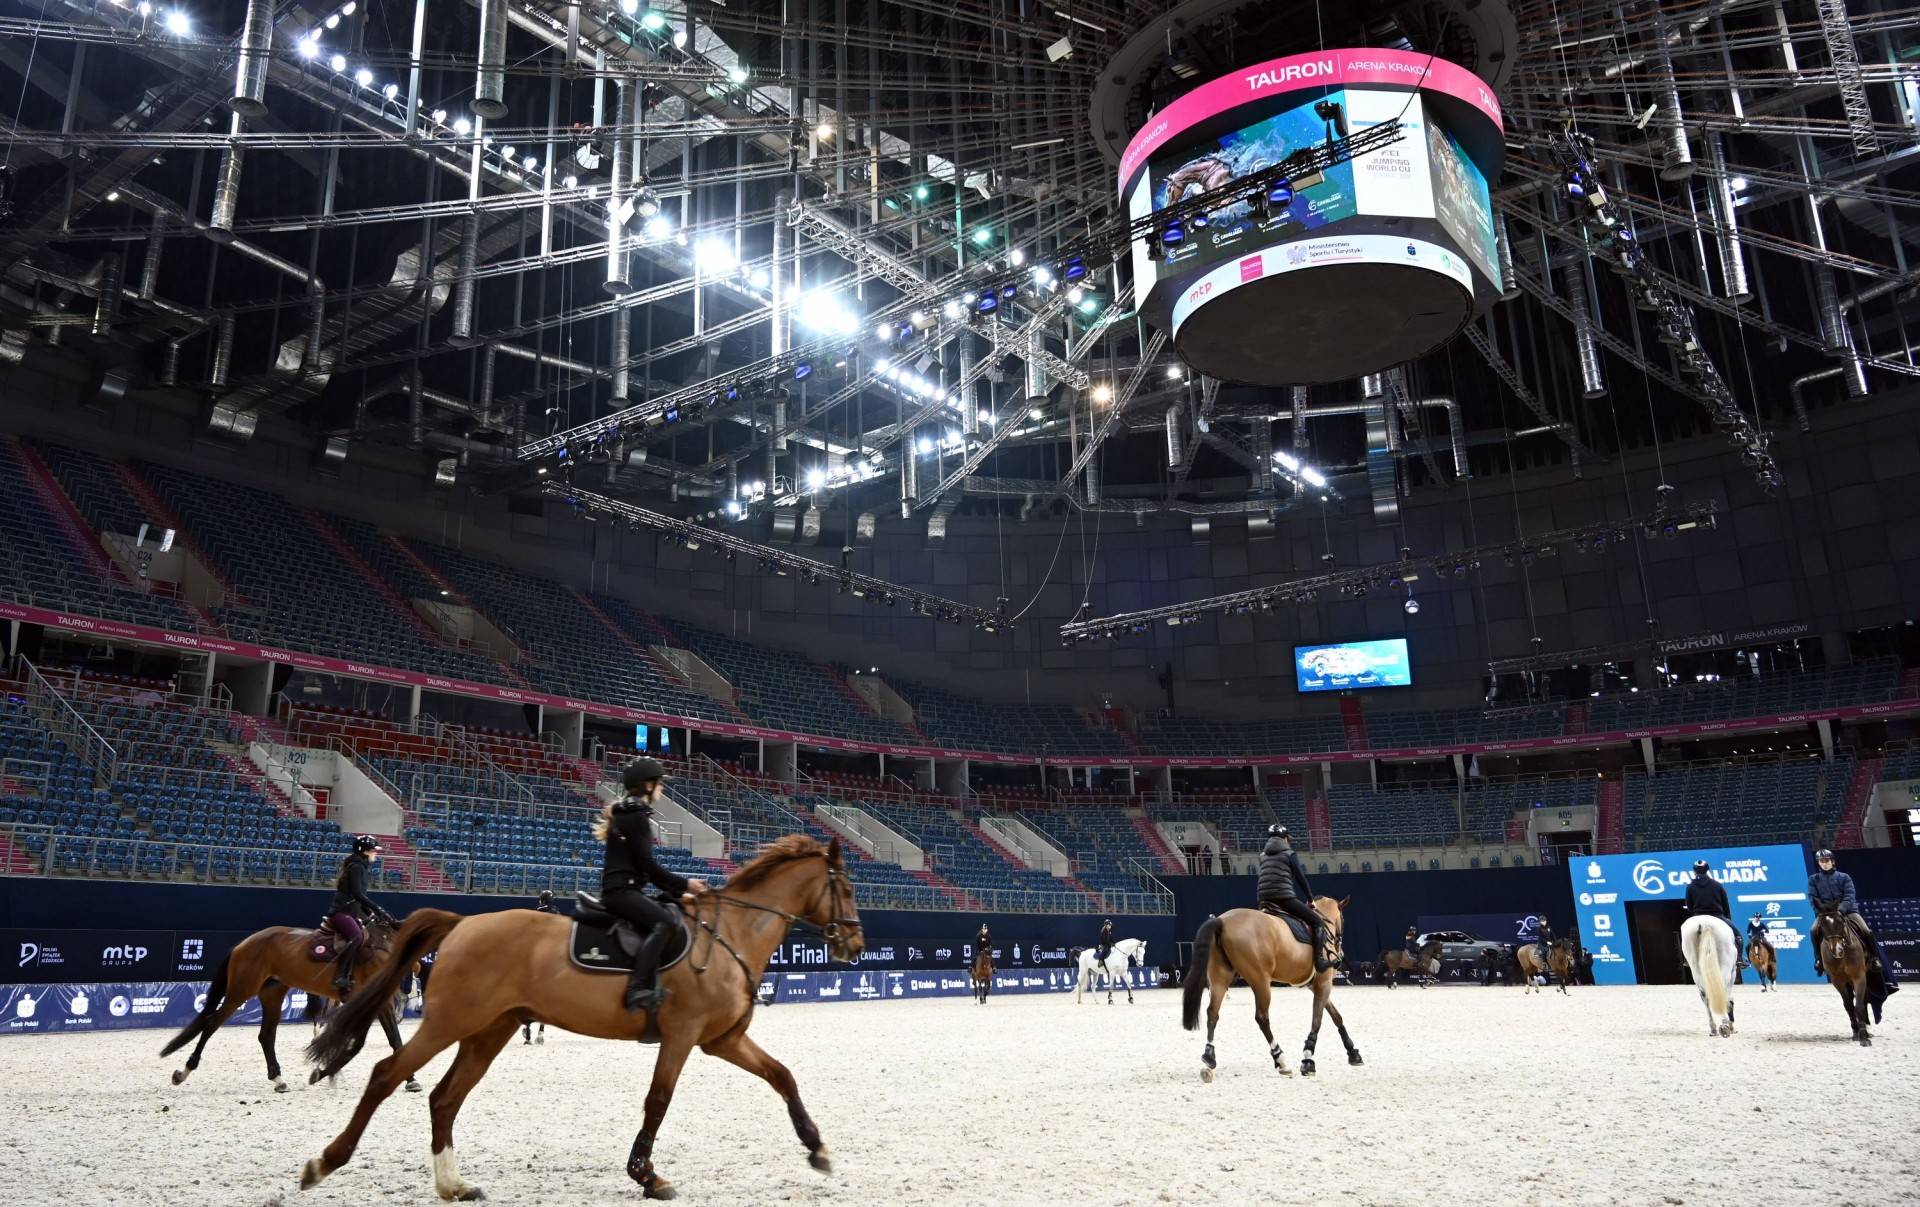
x=1706 y=963
x=346 y=1028
x=203 y=1022
x=1198 y=972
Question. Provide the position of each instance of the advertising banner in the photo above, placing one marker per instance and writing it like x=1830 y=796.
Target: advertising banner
x=1464 y=204
x=36 y=956
x=1393 y=181
x=1770 y=881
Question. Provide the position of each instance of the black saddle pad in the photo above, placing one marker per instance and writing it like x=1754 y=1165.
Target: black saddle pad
x=612 y=947
x=1300 y=929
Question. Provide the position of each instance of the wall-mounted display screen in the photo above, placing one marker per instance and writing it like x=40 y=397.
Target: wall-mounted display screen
x=1348 y=665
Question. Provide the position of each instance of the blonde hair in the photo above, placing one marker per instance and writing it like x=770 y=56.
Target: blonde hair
x=603 y=823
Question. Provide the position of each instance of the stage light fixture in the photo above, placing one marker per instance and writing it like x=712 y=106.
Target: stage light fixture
x=989 y=303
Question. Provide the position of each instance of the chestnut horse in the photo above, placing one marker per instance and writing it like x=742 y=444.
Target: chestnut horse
x=1424 y=964
x=268 y=964
x=1760 y=955
x=496 y=970
x=1843 y=957
x=1260 y=949
x=982 y=974
x=1559 y=959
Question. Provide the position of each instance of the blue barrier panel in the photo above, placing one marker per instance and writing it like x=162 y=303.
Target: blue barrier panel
x=1770 y=880
x=115 y=1006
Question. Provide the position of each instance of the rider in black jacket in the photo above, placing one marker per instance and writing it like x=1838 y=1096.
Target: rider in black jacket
x=627 y=829
x=1543 y=943
x=1284 y=890
x=1105 y=945
x=352 y=907
x=1705 y=895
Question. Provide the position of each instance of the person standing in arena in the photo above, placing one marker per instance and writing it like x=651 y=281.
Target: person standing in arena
x=544 y=905
x=1284 y=890
x=352 y=907
x=627 y=829
x=1829 y=886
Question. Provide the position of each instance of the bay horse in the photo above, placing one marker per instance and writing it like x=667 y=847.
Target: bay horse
x=1710 y=948
x=1843 y=957
x=1765 y=962
x=270 y=963
x=1559 y=960
x=1259 y=948
x=1424 y=964
x=982 y=974
x=497 y=970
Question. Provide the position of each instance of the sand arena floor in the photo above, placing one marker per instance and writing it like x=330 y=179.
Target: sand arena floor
x=1467 y=1096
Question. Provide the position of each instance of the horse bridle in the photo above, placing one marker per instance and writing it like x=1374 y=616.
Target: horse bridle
x=833 y=931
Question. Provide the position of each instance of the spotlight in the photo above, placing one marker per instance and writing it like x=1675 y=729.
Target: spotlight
x=816 y=478
x=737 y=73
x=1280 y=194
x=989 y=303
x=309 y=47
x=951 y=309
x=1412 y=606
x=390 y=91
x=1103 y=393
x=983 y=235
x=1076 y=268
x=629 y=7
x=339 y=63
x=921 y=192
x=363 y=77
x=1173 y=233
x=679 y=39
x=571 y=182
x=823 y=131
x=803 y=370
x=653 y=21
x=1016 y=257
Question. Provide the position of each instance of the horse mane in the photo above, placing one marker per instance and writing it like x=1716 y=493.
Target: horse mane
x=772 y=857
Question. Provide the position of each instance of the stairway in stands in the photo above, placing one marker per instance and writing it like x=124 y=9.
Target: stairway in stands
x=1355 y=723
x=1866 y=773
x=331 y=537
x=1612 y=802
x=960 y=897
x=1169 y=862
x=60 y=505
x=396 y=851
x=157 y=509
x=1575 y=717
x=456 y=595
x=1319 y=821
x=14 y=861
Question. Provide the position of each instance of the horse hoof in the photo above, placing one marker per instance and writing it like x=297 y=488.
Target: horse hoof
x=179 y=1075
x=1206 y=1074
x=413 y=1087
x=312 y=1173
x=660 y=1188
x=281 y=1087
x=1307 y=1067
x=1353 y=1058
x=820 y=1160
x=472 y=1194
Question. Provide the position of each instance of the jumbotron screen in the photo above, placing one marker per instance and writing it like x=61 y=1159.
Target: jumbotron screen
x=1351 y=665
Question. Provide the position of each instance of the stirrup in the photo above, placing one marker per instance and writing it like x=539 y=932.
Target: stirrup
x=649 y=1000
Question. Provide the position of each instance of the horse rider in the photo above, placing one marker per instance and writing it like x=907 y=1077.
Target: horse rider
x=1830 y=886
x=627 y=829
x=544 y=905
x=1708 y=896
x=983 y=941
x=1105 y=945
x=1284 y=890
x=1543 y=942
x=1413 y=943
x=352 y=907
x=1757 y=930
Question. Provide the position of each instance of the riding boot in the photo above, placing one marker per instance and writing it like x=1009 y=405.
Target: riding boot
x=644 y=991
x=343 y=968
x=1320 y=961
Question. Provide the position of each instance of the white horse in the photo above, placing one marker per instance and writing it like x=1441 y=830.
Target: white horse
x=1711 y=948
x=1123 y=952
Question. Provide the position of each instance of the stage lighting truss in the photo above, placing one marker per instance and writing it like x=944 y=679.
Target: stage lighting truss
x=1609 y=236
x=694 y=537
x=1666 y=521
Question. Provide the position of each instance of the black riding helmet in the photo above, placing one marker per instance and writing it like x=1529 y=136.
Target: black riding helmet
x=1823 y=855
x=1699 y=867
x=546 y=896
x=365 y=842
x=640 y=773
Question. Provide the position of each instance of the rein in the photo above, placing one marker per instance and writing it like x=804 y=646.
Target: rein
x=830 y=892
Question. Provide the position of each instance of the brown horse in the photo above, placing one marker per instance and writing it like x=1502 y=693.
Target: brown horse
x=496 y=970
x=982 y=974
x=1424 y=964
x=1261 y=950
x=1760 y=955
x=1559 y=961
x=268 y=964
x=1843 y=957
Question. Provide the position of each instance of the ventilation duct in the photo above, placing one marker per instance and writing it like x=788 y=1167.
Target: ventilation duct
x=13 y=346
x=1261 y=437
x=464 y=280
x=1503 y=247
x=1300 y=396
x=1037 y=383
x=226 y=187
x=1835 y=331
x=1380 y=465
x=810 y=525
x=1176 y=444
x=107 y=306
x=445 y=471
x=622 y=349
x=1676 y=155
x=249 y=97
x=1573 y=287
x=227 y=421
x=909 y=477
x=1733 y=261
x=1092 y=480
x=488 y=360
x=334 y=451
x=113 y=384
x=222 y=353
x=1201 y=529
x=864 y=526
x=170 y=364
x=489 y=86
x=416 y=407
x=150 y=262
x=617 y=202
x=778 y=303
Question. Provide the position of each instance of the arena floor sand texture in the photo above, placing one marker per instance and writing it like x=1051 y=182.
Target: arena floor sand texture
x=1467 y=1096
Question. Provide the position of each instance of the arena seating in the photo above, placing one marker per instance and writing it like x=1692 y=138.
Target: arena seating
x=1108 y=852
x=1411 y=816
x=43 y=563
x=1490 y=805
x=1205 y=735
x=1858 y=683
x=1400 y=730
x=960 y=856
x=788 y=690
x=959 y=721
x=296 y=590
x=1754 y=801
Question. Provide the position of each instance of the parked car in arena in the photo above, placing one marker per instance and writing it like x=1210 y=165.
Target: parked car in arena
x=1460 y=952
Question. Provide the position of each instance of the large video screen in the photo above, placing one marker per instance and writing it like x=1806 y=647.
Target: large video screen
x=1348 y=665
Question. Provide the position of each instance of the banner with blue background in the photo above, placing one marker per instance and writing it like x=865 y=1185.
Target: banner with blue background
x=1770 y=881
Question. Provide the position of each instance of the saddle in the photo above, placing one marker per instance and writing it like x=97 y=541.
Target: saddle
x=325 y=947
x=1301 y=930
x=600 y=942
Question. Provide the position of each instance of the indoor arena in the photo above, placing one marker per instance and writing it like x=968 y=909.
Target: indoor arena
x=868 y=601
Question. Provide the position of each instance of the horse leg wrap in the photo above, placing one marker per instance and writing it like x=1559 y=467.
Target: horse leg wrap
x=1207 y=1058
x=640 y=1159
